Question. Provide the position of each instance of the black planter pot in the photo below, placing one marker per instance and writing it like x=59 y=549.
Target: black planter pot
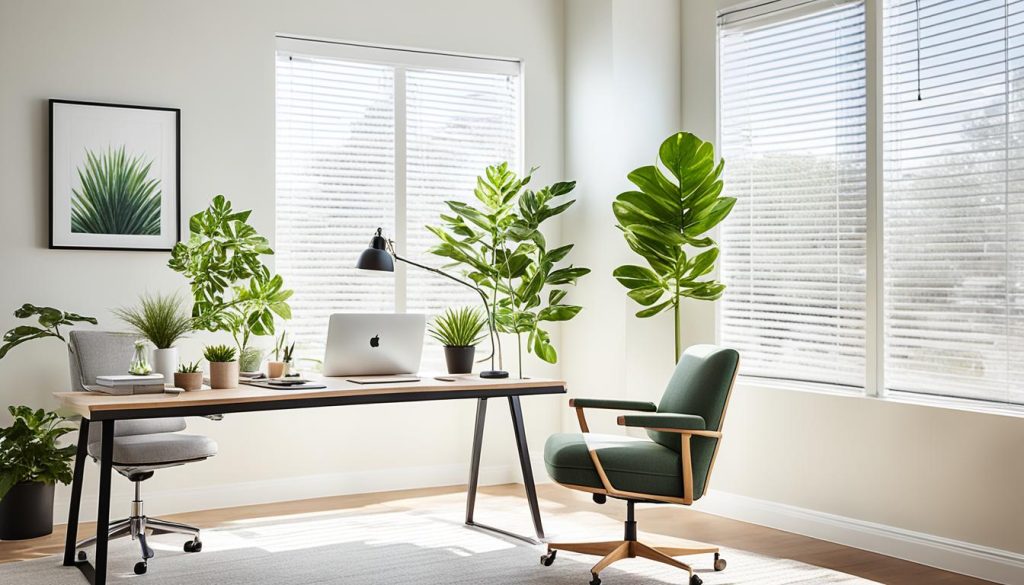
x=459 y=359
x=27 y=511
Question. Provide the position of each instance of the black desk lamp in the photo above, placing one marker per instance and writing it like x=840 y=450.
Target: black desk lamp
x=379 y=257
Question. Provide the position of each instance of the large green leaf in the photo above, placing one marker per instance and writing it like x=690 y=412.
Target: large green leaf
x=671 y=211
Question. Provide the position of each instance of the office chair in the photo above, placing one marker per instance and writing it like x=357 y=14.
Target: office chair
x=672 y=466
x=140 y=446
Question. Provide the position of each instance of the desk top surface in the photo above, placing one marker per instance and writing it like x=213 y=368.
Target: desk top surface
x=339 y=391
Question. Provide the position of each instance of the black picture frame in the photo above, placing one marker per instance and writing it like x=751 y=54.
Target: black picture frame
x=52 y=103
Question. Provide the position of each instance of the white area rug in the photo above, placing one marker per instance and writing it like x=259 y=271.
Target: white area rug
x=394 y=547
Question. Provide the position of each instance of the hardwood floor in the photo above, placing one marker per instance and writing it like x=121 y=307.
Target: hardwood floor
x=561 y=511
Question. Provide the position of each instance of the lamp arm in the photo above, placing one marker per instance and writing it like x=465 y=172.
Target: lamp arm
x=483 y=295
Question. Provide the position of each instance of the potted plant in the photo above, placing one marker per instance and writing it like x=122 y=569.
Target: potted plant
x=249 y=359
x=160 y=320
x=189 y=376
x=232 y=289
x=31 y=462
x=459 y=330
x=223 y=366
x=499 y=243
x=664 y=219
x=278 y=368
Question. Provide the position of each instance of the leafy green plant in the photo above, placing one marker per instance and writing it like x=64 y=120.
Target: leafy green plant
x=188 y=367
x=160 y=319
x=665 y=216
x=50 y=321
x=499 y=243
x=231 y=287
x=29 y=449
x=462 y=327
x=281 y=345
x=249 y=359
x=219 y=353
x=116 y=196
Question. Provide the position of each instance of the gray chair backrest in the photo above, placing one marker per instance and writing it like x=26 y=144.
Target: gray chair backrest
x=102 y=353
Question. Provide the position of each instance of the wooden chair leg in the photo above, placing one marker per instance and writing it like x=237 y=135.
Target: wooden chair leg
x=621 y=552
x=587 y=548
x=675 y=551
x=647 y=552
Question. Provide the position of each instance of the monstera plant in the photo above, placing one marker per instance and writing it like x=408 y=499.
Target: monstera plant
x=233 y=290
x=669 y=214
x=499 y=243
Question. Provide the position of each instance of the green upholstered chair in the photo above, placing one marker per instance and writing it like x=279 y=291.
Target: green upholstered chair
x=672 y=466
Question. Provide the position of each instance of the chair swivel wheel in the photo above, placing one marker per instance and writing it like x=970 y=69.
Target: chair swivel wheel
x=140 y=568
x=695 y=580
x=193 y=546
x=596 y=580
x=81 y=555
x=549 y=558
x=719 y=563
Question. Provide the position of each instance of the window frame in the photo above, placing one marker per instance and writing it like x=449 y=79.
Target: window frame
x=874 y=383
x=402 y=59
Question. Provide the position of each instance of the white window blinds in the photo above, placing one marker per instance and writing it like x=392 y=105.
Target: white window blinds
x=792 y=131
x=372 y=137
x=954 y=197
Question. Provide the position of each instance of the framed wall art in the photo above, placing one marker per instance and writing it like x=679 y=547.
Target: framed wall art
x=114 y=176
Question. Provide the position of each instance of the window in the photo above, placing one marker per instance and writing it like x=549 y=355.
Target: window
x=937 y=306
x=793 y=137
x=370 y=137
x=954 y=198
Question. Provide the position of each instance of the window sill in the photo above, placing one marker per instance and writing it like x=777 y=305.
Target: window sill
x=909 y=398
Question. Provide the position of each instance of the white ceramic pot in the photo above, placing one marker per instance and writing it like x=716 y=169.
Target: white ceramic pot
x=165 y=361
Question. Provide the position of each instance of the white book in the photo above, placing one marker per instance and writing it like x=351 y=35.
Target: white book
x=129 y=380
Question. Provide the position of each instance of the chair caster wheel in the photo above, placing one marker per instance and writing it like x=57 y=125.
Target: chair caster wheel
x=548 y=558
x=193 y=546
x=140 y=568
x=82 y=556
x=596 y=580
x=719 y=563
x=695 y=580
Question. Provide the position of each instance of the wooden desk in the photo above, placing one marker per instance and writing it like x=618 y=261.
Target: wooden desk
x=106 y=410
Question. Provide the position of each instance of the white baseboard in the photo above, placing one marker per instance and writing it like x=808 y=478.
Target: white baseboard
x=210 y=497
x=966 y=558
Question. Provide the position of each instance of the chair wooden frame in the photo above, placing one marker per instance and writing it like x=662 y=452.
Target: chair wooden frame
x=630 y=548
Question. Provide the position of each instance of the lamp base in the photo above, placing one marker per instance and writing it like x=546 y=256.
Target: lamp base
x=494 y=374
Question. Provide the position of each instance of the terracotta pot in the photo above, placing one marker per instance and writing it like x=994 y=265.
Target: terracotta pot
x=188 y=380
x=277 y=369
x=223 y=375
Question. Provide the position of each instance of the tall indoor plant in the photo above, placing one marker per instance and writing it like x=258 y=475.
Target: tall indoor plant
x=232 y=289
x=31 y=460
x=668 y=215
x=162 y=321
x=499 y=243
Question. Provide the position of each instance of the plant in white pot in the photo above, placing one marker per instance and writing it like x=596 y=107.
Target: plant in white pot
x=162 y=321
x=31 y=460
x=223 y=366
x=459 y=331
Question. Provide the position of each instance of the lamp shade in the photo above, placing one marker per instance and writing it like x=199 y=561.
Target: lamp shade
x=376 y=257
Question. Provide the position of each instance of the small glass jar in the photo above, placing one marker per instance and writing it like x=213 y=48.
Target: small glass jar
x=140 y=363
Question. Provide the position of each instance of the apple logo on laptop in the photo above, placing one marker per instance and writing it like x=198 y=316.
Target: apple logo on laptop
x=375 y=341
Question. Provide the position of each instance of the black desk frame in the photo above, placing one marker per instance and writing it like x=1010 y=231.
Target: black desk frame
x=97 y=573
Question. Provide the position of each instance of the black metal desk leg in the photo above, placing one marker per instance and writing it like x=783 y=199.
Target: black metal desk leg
x=524 y=462
x=474 y=462
x=103 y=509
x=76 y=494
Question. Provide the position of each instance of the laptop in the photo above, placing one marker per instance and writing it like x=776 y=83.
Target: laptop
x=374 y=344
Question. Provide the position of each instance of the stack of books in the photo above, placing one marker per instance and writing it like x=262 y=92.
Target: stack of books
x=129 y=384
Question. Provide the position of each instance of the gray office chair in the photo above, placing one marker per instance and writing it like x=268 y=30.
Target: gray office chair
x=140 y=446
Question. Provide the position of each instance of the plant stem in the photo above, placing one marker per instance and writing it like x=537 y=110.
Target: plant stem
x=519 y=342
x=678 y=327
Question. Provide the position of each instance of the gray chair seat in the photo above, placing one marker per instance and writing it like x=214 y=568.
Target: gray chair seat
x=632 y=465
x=158 y=449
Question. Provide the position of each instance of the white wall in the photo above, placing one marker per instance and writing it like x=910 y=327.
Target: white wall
x=215 y=61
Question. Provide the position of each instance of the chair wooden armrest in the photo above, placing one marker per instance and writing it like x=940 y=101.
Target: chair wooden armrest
x=607 y=404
